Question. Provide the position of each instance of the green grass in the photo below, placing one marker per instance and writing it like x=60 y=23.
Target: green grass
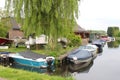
x=15 y=74
x=54 y=53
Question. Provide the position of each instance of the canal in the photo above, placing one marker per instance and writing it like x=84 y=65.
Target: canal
x=105 y=66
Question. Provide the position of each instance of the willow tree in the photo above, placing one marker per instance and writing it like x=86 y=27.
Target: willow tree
x=54 y=18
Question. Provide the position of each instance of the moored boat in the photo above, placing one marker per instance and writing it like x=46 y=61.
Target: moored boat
x=29 y=58
x=100 y=44
x=89 y=47
x=79 y=56
x=4 y=41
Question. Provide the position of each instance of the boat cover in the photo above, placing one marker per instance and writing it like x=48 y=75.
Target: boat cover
x=32 y=55
x=80 y=54
x=4 y=52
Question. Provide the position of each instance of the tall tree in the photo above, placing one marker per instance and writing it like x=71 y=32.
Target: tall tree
x=113 y=31
x=4 y=23
x=54 y=18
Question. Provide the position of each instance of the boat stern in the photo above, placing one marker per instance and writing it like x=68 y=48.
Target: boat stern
x=50 y=60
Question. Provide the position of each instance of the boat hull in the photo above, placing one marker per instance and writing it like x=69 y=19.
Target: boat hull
x=39 y=63
x=81 y=61
x=32 y=63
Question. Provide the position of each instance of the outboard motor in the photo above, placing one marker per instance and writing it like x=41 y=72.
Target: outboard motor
x=4 y=59
x=50 y=61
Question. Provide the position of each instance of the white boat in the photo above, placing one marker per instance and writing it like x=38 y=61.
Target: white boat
x=91 y=48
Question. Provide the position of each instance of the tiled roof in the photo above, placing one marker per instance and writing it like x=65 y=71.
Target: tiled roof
x=14 y=24
x=78 y=28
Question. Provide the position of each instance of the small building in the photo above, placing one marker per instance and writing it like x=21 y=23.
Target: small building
x=15 y=32
x=78 y=30
x=84 y=34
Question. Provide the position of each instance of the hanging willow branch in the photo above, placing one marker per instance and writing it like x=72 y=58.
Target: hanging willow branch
x=54 y=18
x=51 y=17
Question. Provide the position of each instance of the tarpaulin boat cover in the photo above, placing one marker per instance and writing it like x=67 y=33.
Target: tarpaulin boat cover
x=32 y=55
x=80 y=54
x=4 y=52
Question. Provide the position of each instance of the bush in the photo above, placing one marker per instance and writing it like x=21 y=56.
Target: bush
x=74 y=40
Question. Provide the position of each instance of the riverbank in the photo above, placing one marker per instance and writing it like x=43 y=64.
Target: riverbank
x=7 y=73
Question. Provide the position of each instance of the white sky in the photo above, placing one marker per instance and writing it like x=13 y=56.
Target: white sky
x=99 y=14
x=96 y=14
x=2 y=3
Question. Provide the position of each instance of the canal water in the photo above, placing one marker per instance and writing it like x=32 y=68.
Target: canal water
x=104 y=67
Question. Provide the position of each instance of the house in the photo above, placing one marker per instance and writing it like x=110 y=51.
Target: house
x=84 y=34
x=78 y=30
x=15 y=32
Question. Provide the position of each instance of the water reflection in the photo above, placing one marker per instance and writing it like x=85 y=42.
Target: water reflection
x=113 y=44
x=105 y=67
x=80 y=68
x=34 y=69
x=67 y=70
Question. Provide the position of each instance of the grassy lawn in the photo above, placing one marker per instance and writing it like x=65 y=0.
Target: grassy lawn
x=15 y=74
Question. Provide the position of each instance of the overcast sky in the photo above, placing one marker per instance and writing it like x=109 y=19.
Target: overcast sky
x=2 y=3
x=97 y=14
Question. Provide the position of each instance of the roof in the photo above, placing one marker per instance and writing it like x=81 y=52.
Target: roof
x=78 y=28
x=14 y=24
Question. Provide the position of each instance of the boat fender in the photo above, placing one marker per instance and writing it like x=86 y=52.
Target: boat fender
x=75 y=58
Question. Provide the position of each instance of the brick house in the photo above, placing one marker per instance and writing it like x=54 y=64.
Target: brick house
x=15 y=31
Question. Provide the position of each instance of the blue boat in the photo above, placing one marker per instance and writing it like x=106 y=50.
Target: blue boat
x=32 y=59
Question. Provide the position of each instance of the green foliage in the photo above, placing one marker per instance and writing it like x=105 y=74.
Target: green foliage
x=54 y=18
x=5 y=25
x=113 y=31
x=101 y=32
x=3 y=30
x=74 y=40
x=113 y=44
x=118 y=34
x=50 y=17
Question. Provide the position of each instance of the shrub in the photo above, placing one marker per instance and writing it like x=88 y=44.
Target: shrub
x=74 y=40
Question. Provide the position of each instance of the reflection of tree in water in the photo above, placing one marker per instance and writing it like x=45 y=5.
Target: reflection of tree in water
x=66 y=70
x=62 y=70
x=34 y=69
x=113 y=44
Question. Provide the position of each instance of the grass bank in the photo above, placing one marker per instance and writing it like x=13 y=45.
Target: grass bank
x=54 y=53
x=15 y=74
